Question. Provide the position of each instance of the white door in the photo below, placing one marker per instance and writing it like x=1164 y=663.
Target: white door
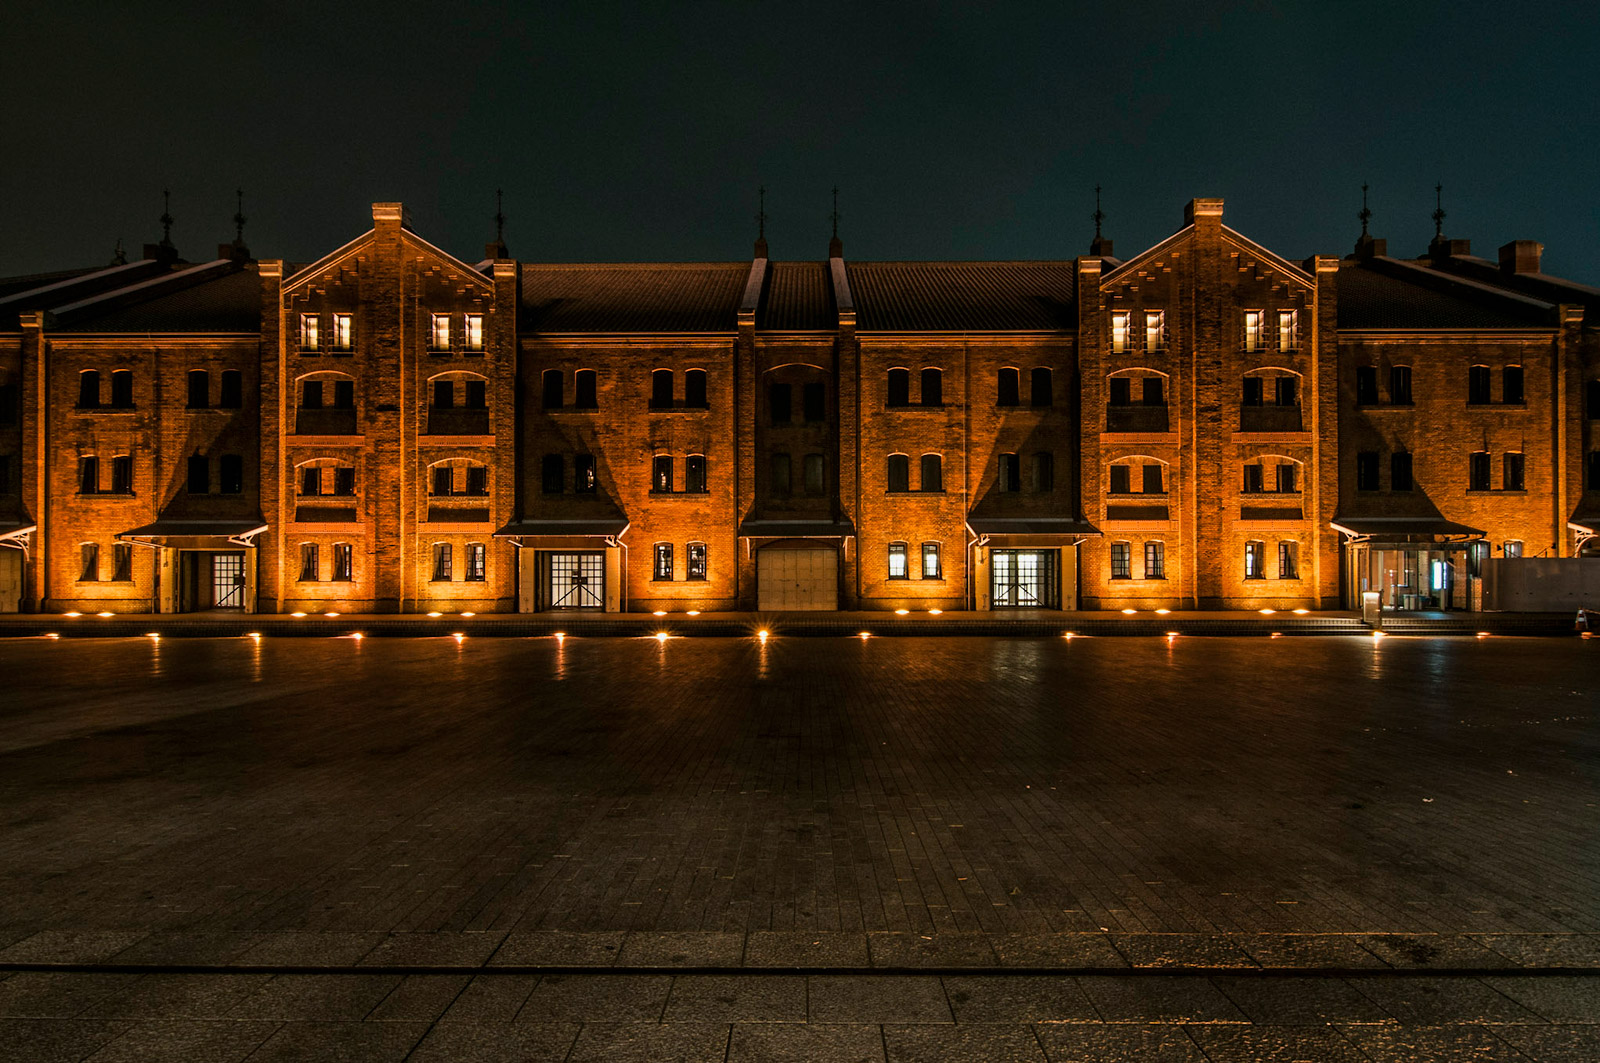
x=805 y=578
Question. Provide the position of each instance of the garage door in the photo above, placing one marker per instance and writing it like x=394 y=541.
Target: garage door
x=797 y=578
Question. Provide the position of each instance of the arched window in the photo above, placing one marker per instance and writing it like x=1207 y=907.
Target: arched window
x=898 y=568
x=931 y=568
x=443 y=563
x=1121 y=560
x=1511 y=385
x=661 y=389
x=663 y=562
x=458 y=477
x=697 y=568
x=932 y=472
x=932 y=387
x=343 y=563
x=477 y=563
x=1255 y=559
x=231 y=396
x=552 y=398
x=1148 y=472
x=122 y=389
x=327 y=477
x=459 y=404
x=694 y=389
x=1044 y=472
x=899 y=388
x=199 y=389
x=694 y=474
x=1009 y=389
x=1288 y=559
x=1274 y=387
x=899 y=473
x=1155 y=559
x=89 y=389
x=1039 y=387
x=585 y=396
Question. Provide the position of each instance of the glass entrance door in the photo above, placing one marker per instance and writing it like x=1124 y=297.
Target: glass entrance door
x=575 y=581
x=227 y=581
x=1021 y=579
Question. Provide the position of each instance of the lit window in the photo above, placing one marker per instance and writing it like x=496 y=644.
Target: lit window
x=1255 y=560
x=308 y=562
x=1254 y=326
x=310 y=332
x=475 y=562
x=1288 y=560
x=474 y=337
x=1155 y=560
x=1121 y=561
x=1288 y=329
x=342 y=562
x=122 y=562
x=697 y=561
x=1119 y=332
x=343 y=332
x=89 y=562
x=443 y=563
x=897 y=561
x=930 y=562
x=663 y=569
x=1155 y=330
x=1513 y=548
x=441 y=333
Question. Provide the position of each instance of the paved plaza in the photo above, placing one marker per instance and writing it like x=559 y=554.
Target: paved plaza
x=969 y=848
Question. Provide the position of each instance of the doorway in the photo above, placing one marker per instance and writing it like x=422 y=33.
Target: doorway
x=1024 y=579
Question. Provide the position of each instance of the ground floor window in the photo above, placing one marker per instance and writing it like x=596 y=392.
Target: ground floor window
x=1024 y=579
x=475 y=562
x=697 y=561
x=930 y=562
x=443 y=563
x=1155 y=560
x=1288 y=560
x=1255 y=560
x=308 y=562
x=663 y=569
x=1121 y=564
x=342 y=562
x=1513 y=548
x=89 y=562
x=897 y=561
x=121 y=562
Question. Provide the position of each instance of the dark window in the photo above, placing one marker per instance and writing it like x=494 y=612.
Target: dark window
x=694 y=391
x=697 y=562
x=1288 y=560
x=5 y=474
x=663 y=568
x=308 y=562
x=899 y=387
x=778 y=403
x=1286 y=390
x=443 y=563
x=899 y=472
x=1255 y=560
x=898 y=568
x=661 y=473
x=1252 y=479
x=1286 y=477
x=931 y=568
x=585 y=396
x=1478 y=384
x=694 y=474
x=781 y=469
x=88 y=475
x=477 y=480
x=552 y=473
x=1367 y=471
x=89 y=562
x=342 y=562
x=344 y=394
x=311 y=480
x=1478 y=472
x=1039 y=386
x=475 y=562
x=1511 y=469
x=1009 y=389
x=477 y=394
x=1120 y=481
x=199 y=389
x=122 y=389
x=1400 y=385
x=932 y=472
x=444 y=394
x=311 y=394
x=583 y=475
x=814 y=471
x=1151 y=391
x=1366 y=385
x=344 y=481
x=1253 y=391
x=661 y=389
x=811 y=402
x=231 y=397
x=89 y=389
x=122 y=475
x=443 y=480
x=1400 y=471
x=231 y=476
x=1044 y=471
x=552 y=398
x=1121 y=561
x=1153 y=480
x=1121 y=391
x=122 y=562
x=932 y=387
x=1010 y=473
x=1594 y=470
x=1591 y=399
x=1155 y=560
x=9 y=404
x=1511 y=385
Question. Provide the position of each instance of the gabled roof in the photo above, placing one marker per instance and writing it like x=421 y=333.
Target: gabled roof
x=222 y=299
x=1386 y=293
x=1540 y=286
x=305 y=274
x=632 y=297
x=964 y=296
x=799 y=298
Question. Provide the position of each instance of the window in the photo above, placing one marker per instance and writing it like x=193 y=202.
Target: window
x=122 y=562
x=344 y=481
x=1152 y=480
x=231 y=477
x=782 y=469
x=1255 y=322
x=899 y=388
x=231 y=396
x=661 y=389
x=694 y=389
x=1151 y=391
x=310 y=332
x=1010 y=473
x=478 y=481
x=1255 y=560
x=1594 y=470
x=930 y=562
x=443 y=563
x=444 y=394
x=475 y=562
x=1121 y=561
x=552 y=389
x=1155 y=560
x=1511 y=385
x=1288 y=330
x=1591 y=399
x=1286 y=390
x=933 y=387
x=344 y=394
x=199 y=389
x=899 y=472
x=311 y=480
x=477 y=394
x=1286 y=478
x=584 y=481
x=814 y=474
x=9 y=404
x=1155 y=330
x=1367 y=471
x=122 y=475
x=1252 y=479
x=88 y=475
x=311 y=394
x=88 y=389
x=1366 y=385
x=121 y=389
x=1044 y=472
x=1119 y=480
x=1478 y=384
x=812 y=404
x=585 y=396
x=694 y=474
x=474 y=332
x=5 y=474
x=663 y=555
x=199 y=481
x=697 y=562
x=342 y=562
x=552 y=474
x=1400 y=385
x=1039 y=390
x=308 y=562
x=1009 y=384
x=1511 y=472
x=1119 y=332
x=1400 y=471
x=661 y=473
x=1478 y=471
x=778 y=403
x=343 y=332
x=1513 y=548
x=89 y=562
x=1253 y=395
x=932 y=472
x=897 y=561
x=1288 y=560
x=439 y=337
x=443 y=480
x=1121 y=391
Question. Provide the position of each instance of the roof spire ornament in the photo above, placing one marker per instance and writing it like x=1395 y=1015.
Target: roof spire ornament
x=761 y=221
x=1099 y=215
x=166 y=217
x=498 y=248
x=1438 y=211
x=835 y=246
x=119 y=257
x=1366 y=212
x=238 y=218
x=1099 y=246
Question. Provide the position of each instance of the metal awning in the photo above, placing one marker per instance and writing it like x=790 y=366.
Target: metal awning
x=581 y=528
x=1063 y=526
x=762 y=528
x=1585 y=522
x=1404 y=530
x=236 y=532
x=16 y=535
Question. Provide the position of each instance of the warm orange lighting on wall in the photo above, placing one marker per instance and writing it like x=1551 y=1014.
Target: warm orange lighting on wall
x=935 y=612
x=1266 y=612
x=102 y=614
x=1163 y=612
x=330 y=614
x=1129 y=612
x=71 y=614
x=659 y=612
x=435 y=614
x=469 y=614
x=297 y=615
x=902 y=612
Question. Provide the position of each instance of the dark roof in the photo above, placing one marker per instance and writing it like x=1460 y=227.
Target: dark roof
x=225 y=301
x=591 y=527
x=1541 y=286
x=1405 y=529
x=1390 y=294
x=786 y=528
x=963 y=296
x=14 y=285
x=630 y=297
x=1030 y=526
x=799 y=298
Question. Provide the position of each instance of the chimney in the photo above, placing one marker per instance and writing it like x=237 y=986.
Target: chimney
x=1443 y=247
x=1100 y=247
x=1521 y=256
x=390 y=214
x=1199 y=208
x=1371 y=247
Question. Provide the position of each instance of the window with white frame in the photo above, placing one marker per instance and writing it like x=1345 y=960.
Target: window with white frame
x=310 y=332
x=474 y=332
x=1255 y=560
x=897 y=561
x=1288 y=559
x=343 y=332
x=1288 y=329
x=1155 y=330
x=1513 y=548
x=1254 y=330
x=1119 y=332
x=476 y=565
x=343 y=562
x=930 y=562
x=440 y=337
x=1155 y=560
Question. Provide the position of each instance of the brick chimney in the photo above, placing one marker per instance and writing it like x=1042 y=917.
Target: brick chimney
x=1199 y=208
x=1521 y=256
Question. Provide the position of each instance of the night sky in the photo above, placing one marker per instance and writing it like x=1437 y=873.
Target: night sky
x=641 y=131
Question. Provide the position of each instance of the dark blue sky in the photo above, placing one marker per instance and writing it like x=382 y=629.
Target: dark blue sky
x=641 y=131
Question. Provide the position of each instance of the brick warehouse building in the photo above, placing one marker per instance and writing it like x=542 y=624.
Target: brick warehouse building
x=392 y=429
